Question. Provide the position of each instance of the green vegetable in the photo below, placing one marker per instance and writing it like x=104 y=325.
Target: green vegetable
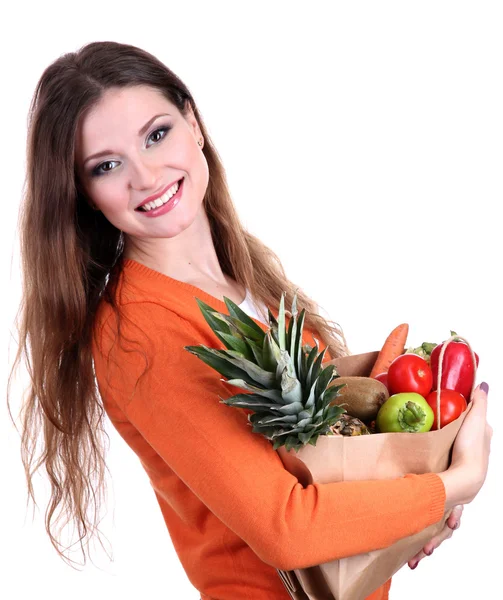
x=405 y=412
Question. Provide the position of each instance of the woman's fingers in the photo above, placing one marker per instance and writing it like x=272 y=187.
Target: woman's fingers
x=479 y=399
x=455 y=517
x=435 y=542
x=470 y=455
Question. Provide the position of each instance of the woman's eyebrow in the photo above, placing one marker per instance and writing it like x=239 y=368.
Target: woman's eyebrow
x=141 y=132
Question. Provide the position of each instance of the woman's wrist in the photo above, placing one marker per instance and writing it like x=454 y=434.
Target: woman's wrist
x=456 y=492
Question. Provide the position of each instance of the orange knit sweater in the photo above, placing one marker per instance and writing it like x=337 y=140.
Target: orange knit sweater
x=233 y=512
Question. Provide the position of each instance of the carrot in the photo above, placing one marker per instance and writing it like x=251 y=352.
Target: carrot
x=393 y=346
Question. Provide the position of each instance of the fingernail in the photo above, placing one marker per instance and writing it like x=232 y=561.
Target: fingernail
x=456 y=525
x=484 y=387
x=430 y=552
x=414 y=565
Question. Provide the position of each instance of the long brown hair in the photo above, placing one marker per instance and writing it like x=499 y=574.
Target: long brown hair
x=71 y=259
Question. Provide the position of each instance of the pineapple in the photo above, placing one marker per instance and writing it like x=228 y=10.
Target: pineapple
x=350 y=426
x=291 y=394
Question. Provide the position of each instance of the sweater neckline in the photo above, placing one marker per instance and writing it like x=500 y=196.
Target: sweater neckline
x=132 y=264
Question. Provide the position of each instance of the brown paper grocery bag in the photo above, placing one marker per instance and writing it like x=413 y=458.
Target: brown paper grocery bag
x=377 y=456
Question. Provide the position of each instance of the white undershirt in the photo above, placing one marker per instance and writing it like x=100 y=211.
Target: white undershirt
x=250 y=309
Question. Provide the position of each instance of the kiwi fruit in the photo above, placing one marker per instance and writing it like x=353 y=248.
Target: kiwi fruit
x=362 y=397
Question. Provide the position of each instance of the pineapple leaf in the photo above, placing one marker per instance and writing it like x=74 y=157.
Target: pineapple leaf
x=274 y=395
x=290 y=337
x=289 y=431
x=277 y=444
x=304 y=422
x=303 y=369
x=230 y=324
x=305 y=437
x=304 y=414
x=234 y=343
x=233 y=325
x=323 y=380
x=253 y=371
x=297 y=349
x=211 y=317
x=310 y=362
x=291 y=409
x=246 y=330
x=271 y=318
x=270 y=353
x=217 y=361
x=274 y=334
x=332 y=392
x=268 y=432
x=291 y=390
x=311 y=397
x=317 y=365
x=291 y=442
x=284 y=363
x=334 y=412
x=240 y=315
x=260 y=419
x=281 y=323
x=257 y=353
x=294 y=305
x=250 y=401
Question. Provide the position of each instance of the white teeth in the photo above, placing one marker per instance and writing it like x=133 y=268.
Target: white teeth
x=163 y=199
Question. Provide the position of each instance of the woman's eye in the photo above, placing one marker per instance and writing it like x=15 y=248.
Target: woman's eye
x=157 y=135
x=104 y=167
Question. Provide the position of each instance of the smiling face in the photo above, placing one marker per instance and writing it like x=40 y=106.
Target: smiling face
x=135 y=144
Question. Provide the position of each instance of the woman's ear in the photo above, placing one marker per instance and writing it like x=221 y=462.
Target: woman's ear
x=191 y=119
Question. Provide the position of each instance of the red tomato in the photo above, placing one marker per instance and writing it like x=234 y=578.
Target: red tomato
x=452 y=404
x=410 y=373
x=383 y=378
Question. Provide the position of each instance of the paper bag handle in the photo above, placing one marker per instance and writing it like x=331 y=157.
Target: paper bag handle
x=440 y=360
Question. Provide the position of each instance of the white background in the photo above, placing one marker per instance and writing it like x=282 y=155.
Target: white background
x=363 y=144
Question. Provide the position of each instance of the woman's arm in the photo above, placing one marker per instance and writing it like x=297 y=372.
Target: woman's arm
x=236 y=473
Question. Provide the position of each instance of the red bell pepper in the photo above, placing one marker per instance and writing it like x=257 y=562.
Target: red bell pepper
x=458 y=372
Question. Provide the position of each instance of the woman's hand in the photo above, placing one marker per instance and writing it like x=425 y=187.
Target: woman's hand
x=451 y=524
x=468 y=469
x=470 y=454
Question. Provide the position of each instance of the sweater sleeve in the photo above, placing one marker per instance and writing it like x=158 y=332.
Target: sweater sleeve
x=174 y=405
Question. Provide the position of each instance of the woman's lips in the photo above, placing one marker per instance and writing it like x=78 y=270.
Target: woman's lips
x=170 y=204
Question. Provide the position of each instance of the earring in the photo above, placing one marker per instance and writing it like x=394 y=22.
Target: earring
x=200 y=142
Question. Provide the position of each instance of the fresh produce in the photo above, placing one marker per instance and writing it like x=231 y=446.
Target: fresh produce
x=410 y=373
x=424 y=351
x=294 y=398
x=383 y=378
x=452 y=404
x=291 y=393
x=458 y=371
x=362 y=397
x=349 y=426
x=405 y=412
x=393 y=346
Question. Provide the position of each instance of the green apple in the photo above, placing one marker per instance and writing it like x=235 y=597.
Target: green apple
x=407 y=412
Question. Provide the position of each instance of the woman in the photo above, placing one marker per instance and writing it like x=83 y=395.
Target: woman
x=127 y=219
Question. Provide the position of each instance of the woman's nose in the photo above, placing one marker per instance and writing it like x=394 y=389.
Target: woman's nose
x=144 y=174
